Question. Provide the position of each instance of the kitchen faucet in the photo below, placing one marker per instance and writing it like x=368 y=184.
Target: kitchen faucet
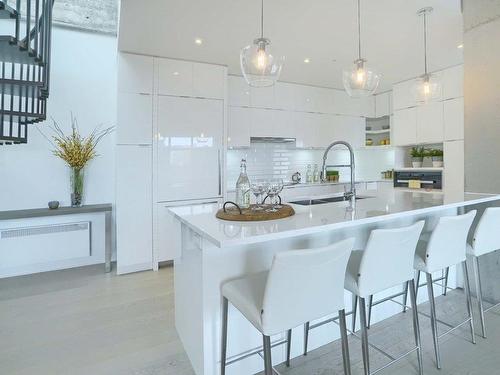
x=349 y=195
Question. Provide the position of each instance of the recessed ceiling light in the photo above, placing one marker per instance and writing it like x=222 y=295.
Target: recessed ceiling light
x=460 y=46
x=307 y=60
x=175 y=73
x=198 y=41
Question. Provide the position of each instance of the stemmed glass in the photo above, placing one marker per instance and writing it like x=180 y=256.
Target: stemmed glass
x=280 y=189
x=273 y=189
x=257 y=188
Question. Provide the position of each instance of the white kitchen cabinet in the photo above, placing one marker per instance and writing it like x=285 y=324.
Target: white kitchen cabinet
x=262 y=97
x=238 y=91
x=134 y=208
x=189 y=164
x=453 y=119
x=272 y=123
x=453 y=82
x=185 y=78
x=382 y=104
x=284 y=96
x=208 y=81
x=134 y=118
x=324 y=100
x=403 y=96
x=430 y=123
x=404 y=127
x=453 y=157
x=306 y=98
x=135 y=73
x=350 y=129
x=238 y=128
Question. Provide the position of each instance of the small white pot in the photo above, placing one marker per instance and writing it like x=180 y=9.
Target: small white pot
x=437 y=164
x=416 y=164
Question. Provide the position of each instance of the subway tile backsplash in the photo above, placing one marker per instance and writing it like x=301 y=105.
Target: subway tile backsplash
x=281 y=160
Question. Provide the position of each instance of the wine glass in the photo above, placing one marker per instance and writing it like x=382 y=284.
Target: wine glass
x=272 y=190
x=257 y=188
x=280 y=184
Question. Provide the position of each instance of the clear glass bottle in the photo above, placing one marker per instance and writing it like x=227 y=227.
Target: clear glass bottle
x=316 y=173
x=309 y=174
x=243 y=187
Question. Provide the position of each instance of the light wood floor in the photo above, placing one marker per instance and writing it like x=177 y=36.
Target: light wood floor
x=82 y=321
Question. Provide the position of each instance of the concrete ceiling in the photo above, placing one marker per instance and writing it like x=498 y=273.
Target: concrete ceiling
x=325 y=31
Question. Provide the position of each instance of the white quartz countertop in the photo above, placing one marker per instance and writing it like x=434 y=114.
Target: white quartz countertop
x=377 y=206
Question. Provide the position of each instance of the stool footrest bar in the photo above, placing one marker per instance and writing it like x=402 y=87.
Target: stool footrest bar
x=251 y=352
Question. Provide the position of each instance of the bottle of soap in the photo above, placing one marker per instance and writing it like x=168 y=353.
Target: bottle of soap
x=243 y=187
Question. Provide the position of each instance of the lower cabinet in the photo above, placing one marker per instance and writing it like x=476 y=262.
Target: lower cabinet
x=134 y=216
x=167 y=235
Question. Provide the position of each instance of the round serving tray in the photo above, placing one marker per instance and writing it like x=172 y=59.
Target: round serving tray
x=234 y=213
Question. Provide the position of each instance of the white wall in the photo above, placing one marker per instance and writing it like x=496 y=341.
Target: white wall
x=83 y=80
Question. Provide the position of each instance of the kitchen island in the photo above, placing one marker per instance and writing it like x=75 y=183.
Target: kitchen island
x=214 y=251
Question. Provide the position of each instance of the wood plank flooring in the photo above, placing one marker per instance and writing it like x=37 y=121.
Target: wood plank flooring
x=83 y=321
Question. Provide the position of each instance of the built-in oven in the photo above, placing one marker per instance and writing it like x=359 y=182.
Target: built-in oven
x=418 y=179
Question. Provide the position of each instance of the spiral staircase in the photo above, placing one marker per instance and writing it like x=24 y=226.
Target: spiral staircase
x=24 y=66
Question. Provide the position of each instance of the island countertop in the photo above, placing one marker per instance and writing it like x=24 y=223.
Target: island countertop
x=374 y=207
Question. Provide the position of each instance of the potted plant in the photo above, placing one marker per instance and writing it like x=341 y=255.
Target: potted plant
x=76 y=150
x=417 y=156
x=437 y=157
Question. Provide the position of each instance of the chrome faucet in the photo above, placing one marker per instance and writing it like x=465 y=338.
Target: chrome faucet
x=349 y=195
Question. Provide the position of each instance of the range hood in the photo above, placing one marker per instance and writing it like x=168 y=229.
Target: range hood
x=272 y=140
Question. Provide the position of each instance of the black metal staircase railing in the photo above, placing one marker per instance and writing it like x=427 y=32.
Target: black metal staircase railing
x=24 y=67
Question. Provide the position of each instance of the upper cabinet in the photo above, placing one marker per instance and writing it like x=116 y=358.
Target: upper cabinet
x=402 y=95
x=453 y=82
x=135 y=73
x=430 y=123
x=190 y=79
x=404 y=127
x=383 y=104
x=453 y=119
x=134 y=118
x=239 y=92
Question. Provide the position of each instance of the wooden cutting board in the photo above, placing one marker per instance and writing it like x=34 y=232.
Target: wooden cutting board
x=233 y=213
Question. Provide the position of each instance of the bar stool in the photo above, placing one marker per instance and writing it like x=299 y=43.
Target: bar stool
x=486 y=239
x=302 y=285
x=445 y=247
x=385 y=263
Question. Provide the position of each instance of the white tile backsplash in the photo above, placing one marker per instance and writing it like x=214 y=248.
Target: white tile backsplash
x=281 y=160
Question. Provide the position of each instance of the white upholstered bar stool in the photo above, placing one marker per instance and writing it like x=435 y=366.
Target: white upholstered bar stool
x=445 y=247
x=302 y=285
x=486 y=239
x=386 y=262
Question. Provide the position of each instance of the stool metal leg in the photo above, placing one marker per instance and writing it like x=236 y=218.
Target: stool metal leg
x=416 y=325
x=405 y=296
x=354 y=311
x=288 y=346
x=479 y=293
x=306 y=337
x=345 y=343
x=469 y=300
x=224 y=336
x=430 y=291
x=268 y=364
x=364 y=335
x=417 y=282
x=370 y=305
x=446 y=274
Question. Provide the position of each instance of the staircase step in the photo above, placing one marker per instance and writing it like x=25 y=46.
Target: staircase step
x=7 y=11
x=24 y=118
x=13 y=51
x=18 y=88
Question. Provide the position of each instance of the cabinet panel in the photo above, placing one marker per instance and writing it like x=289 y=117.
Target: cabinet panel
x=175 y=77
x=453 y=82
x=453 y=119
x=135 y=73
x=453 y=178
x=350 y=129
x=238 y=130
x=306 y=98
x=285 y=96
x=238 y=92
x=208 y=81
x=402 y=95
x=168 y=234
x=404 y=127
x=134 y=118
x=262 y=97
x=430 y=123
x=382 y=105
x=134 y=208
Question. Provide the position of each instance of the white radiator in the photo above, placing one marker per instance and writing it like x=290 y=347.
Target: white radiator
x=24 y=249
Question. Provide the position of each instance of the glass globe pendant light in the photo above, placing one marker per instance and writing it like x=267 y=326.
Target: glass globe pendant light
x=258 y=65
x=427 y=87
x=360 y=80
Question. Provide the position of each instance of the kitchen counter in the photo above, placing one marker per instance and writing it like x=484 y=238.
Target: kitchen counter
x=214 y=251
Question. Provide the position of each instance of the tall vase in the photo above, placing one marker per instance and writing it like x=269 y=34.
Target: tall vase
x=77 y=178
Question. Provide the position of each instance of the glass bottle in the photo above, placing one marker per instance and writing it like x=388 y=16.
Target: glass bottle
x=243 y=187
x=309 y=174
x=316 y=173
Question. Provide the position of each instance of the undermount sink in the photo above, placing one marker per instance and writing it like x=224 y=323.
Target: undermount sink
x=312 y=202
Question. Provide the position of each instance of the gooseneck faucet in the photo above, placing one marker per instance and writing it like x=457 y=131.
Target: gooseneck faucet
x=349 y=195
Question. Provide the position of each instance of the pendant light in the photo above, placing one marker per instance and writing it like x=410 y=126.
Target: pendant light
x=360 y=80
x=427 y=87
x=259 y=67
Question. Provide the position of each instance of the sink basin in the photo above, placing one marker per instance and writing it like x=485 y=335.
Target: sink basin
x=312 y=202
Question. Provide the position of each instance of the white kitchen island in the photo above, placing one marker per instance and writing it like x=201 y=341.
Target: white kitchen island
x=214 y=251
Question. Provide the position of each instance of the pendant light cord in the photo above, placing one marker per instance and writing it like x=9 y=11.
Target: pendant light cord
x=425 y=42
x=359 y=30
x=262 y=19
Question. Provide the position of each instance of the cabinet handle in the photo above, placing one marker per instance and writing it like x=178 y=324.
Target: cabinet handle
x=220 y=172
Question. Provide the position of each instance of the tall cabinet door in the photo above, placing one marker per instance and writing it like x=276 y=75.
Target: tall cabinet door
x=404 y=130
x=134 y=217
x=134 y=118
x=190 y=145
x=430 y=123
